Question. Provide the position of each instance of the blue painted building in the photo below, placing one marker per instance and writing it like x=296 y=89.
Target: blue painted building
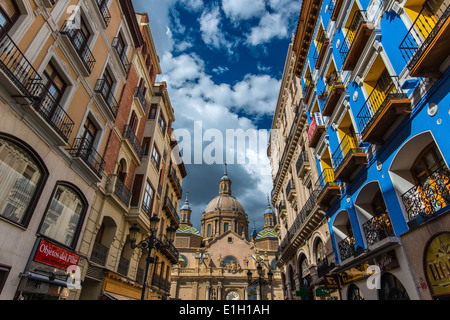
x=376 y=82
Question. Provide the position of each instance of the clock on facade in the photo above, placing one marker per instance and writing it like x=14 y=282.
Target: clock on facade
x=232 y=295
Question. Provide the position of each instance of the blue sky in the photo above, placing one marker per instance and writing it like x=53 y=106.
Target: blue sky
x=223 y=61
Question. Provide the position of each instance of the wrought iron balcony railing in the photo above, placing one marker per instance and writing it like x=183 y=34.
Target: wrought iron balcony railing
x=169 y=207
x=430 y=19
x=54 y=114
x=123 y=266
x=346 y=248
x=429 y=196
x=17 y=67
x=348 y=146
x=139 y=94
x=82 y=49
x=174 y=177
x=386 y=89
x=121 y=53
x=322 y=44
x=302 y=158
x=99 y=254
x=359 y=19
x=325 y=179
x=378 y=228
x=122 y=192
x=107 y=96
x=82 y=149
x=129 y=134
x=103 y=7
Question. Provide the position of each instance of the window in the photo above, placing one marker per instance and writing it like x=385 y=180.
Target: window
x=146 y=145
x=64 y=215
x=225 y=227
x=428 y=162
x=134 y=121
x=54 y=87
x=209 y=230
x=152 y=113
x=149 y=195
x=22 y=176
x=156 y=158
x=80 y=36
x=4 y=271
x=162 y=124
x=88 y=134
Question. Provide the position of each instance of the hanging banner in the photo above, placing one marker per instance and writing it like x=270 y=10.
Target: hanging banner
x=252 y=293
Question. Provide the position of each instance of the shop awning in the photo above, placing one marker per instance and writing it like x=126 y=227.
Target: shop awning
x=115 y=296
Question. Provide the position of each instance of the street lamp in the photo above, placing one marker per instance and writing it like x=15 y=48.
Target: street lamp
x=260 y=281
x=149 y=243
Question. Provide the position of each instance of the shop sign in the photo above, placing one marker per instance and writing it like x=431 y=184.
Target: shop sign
x=384 y=262
x=437 y=264
x=331 y=281
x=322 y=291
x=55 y=256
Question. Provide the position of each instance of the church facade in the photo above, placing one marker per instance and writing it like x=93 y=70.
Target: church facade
x=214 y=263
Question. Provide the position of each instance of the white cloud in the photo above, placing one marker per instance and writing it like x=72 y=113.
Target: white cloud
x=243 y=9
x=270 y=26
x=210 y=27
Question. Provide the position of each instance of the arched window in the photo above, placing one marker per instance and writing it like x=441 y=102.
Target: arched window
x=427 y=162
x=23 y=175
x=353 y=293
x=64 y=215
x=392 y=288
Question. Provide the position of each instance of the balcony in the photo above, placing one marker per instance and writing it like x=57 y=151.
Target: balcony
x=48 y=113
x=319 y=53
x=328 y=190
x=335 y=89
x=122 y=192
x=302 y=164
x=121 y=55
x=378 y=228
x=169 y=250
x=105 y=15
x=133 y=141
x=425 y=46
x=82 y=150
x=357 y=36
x=335 y=5
x=315 y=131
x=346 y=248
x=429 y=196
x=282 y=209
x=123 y=266
x=308 y=89
x=140 y=96
x=107 y=97
x=290 y=191
x=348 y=158
x=307 y=220
x=17 y=74
x=99 y=254
x=385 y=104
x=83 y=55
x=173 y=178
x=172 y=212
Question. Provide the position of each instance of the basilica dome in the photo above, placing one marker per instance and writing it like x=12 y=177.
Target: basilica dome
x=224 y=203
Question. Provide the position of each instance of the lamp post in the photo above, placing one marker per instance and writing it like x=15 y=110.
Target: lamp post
x=149 y=243
x=260 y=281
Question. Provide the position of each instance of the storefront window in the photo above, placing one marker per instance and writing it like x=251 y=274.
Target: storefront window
x=21 y=177
x=63 y=216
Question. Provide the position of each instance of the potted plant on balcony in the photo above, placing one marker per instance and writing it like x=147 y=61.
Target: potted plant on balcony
x=323 y=96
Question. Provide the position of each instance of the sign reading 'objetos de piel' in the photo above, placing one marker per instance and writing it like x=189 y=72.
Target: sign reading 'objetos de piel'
x=55 y=256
